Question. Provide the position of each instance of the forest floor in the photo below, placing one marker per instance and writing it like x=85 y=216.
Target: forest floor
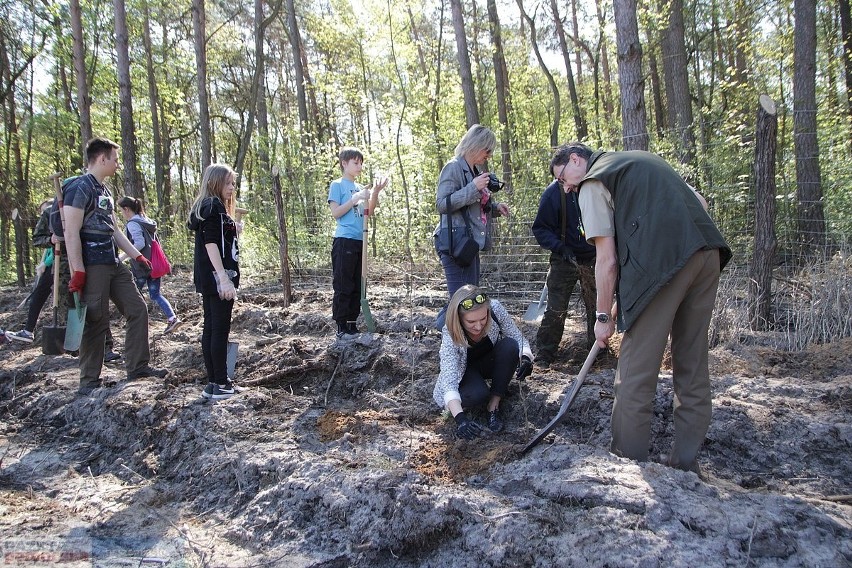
x=336 y=456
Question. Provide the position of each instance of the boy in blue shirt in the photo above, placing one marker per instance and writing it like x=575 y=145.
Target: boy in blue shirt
x=348 y=202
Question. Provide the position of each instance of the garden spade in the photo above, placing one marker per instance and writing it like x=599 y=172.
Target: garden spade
x=365 y=306
x=536 y=309
x=76 y=322
x=53 y=337
x=566 y=402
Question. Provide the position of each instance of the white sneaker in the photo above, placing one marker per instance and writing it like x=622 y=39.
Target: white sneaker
x=23 y=335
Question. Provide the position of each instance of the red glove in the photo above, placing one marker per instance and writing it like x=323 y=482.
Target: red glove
x=143 y=261
x=78 y=281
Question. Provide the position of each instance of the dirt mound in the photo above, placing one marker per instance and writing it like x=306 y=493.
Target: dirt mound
x=337 y=456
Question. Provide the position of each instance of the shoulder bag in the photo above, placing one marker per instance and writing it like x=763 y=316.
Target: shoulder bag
x=462 y=247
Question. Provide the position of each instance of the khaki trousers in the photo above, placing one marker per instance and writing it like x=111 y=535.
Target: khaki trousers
x=683 y=307
x=105 y=283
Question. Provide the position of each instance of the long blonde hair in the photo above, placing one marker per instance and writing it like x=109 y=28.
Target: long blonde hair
x=214 y=180
x=453 y=319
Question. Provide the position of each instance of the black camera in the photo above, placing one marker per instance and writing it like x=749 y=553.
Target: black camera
x=494 y=184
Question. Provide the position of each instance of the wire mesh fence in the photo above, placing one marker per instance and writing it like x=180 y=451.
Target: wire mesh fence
x=810 y=288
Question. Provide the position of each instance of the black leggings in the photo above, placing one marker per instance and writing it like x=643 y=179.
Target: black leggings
x=498 y=365
x=39 y=297
x=214 y=338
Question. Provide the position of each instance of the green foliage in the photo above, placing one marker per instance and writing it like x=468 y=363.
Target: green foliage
x=384 y=76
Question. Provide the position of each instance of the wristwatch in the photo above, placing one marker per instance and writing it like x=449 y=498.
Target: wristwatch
x=603 y=317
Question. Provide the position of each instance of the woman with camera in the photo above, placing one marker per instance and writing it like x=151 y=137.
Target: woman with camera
x=466 y=206
x=480 y=350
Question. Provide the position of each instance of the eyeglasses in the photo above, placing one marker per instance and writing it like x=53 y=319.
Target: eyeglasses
x=562 y=171
x=477 y=300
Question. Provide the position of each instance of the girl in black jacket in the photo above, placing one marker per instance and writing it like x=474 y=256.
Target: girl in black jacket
x=216 y=272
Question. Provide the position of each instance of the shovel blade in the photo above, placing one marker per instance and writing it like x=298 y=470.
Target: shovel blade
x=53 y=340
x=368 y=317
x=536 y=310
x=231 y=359
x=75 y=324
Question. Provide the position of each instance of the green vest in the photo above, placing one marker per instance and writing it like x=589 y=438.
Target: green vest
x=659 y=225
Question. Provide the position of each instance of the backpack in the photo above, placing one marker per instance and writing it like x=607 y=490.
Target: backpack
x=55 y=217
x=160 y=265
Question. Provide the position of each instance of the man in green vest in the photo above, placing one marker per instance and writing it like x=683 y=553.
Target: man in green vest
x=659 y=254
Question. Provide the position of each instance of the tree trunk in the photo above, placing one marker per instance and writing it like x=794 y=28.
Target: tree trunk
x=200 y=34
x=808 y=181
x=299 y=72
x=471 y=111
x=846 y=38
x=501 y=78
x=634 y=128
x=603 y=50
x=760 y=281
x=578 y=53
x=557 y=106
x=675 y=69
x=579 y=120
x=424 y=70
x=84 y=100
x=132 y=181
x=257 y=97
x=154 y=103
x=13 y=141
x=283 y=253
x=657 y=95
x=405 y=190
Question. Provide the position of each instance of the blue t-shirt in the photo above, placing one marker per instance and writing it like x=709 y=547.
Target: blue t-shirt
x=350 y=225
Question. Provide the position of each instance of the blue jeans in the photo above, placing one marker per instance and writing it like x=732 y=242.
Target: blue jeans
x=457 y=276
x=154 y=292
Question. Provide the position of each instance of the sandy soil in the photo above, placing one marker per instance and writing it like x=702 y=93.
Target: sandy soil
x=336 y=456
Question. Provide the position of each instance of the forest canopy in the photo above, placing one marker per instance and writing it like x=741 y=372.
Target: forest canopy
x=284 y=84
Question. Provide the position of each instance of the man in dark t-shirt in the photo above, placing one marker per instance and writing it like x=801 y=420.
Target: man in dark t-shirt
x=96 y=273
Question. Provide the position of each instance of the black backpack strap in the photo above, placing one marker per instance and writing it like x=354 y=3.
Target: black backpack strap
x=494 y=317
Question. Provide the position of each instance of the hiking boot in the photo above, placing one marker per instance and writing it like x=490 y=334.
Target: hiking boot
x=23 y=335
x=111 y=356
x=221 y=392
x=172 y=325
x=147 y=371
x=345 y=333
x=495 y=424
x=86 y=390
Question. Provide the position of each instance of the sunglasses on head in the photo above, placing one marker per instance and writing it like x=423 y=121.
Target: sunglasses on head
x=469 y=303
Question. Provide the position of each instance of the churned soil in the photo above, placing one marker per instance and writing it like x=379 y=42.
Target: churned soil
x=335 y=455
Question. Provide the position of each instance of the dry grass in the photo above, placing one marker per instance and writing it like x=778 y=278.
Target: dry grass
x=811 y=305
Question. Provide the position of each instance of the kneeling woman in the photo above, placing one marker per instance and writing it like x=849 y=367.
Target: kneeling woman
x=480 y=350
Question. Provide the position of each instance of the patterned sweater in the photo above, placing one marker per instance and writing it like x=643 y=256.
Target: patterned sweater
x=454 y=357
